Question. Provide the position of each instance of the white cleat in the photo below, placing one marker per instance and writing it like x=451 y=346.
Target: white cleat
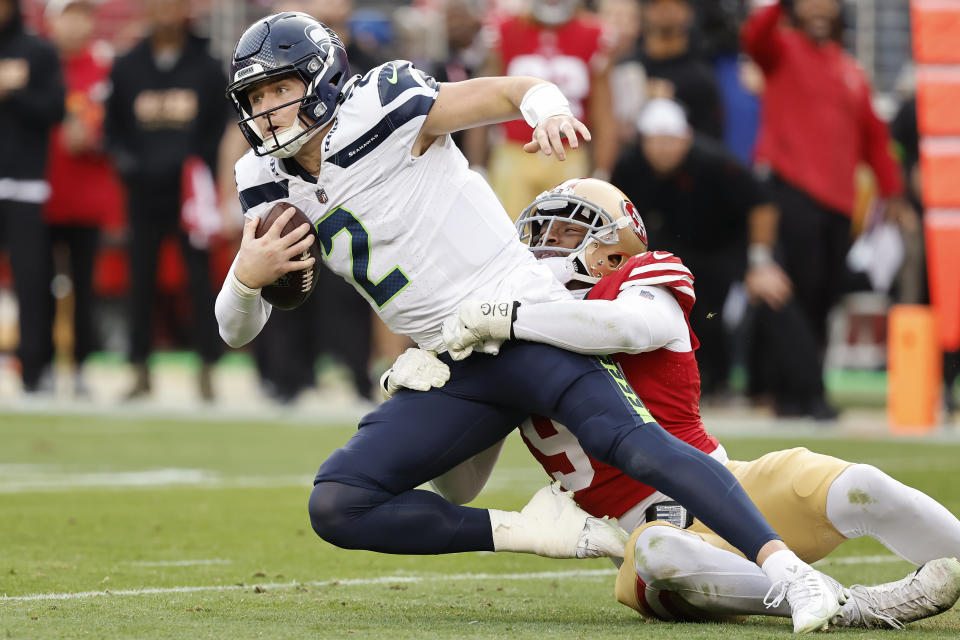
x=931 y=589
x=568 y=531
x=814 y=598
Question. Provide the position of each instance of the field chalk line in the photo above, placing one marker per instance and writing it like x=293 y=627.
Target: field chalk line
x=542 y=575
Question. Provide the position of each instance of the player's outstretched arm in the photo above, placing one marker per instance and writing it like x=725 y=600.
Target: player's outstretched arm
x=481 y=101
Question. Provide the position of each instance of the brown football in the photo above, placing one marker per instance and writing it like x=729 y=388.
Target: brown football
x=290 y=290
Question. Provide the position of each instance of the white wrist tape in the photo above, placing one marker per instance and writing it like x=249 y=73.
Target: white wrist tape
x=542 y=101
x=241 y=289
x=759 y=254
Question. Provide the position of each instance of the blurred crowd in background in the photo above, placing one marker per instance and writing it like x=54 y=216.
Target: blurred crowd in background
x=772 y=146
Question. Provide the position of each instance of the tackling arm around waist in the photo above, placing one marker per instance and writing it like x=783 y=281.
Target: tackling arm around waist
x=631 y=323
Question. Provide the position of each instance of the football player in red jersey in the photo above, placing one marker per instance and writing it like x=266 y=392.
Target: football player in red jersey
x=637 y=308
x=557 y=41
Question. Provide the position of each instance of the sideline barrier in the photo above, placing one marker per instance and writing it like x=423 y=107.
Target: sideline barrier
x=914 y=370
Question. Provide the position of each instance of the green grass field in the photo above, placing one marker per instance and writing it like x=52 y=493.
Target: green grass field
x=144 y=528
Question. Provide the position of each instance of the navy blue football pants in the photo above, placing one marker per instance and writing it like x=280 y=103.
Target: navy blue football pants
x=365 y=498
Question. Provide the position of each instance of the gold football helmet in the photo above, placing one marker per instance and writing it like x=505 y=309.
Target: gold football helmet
x=589 y=222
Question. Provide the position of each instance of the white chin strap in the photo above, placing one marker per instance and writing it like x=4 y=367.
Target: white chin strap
x=283 y=147
x=286 y=148
x=578 y=263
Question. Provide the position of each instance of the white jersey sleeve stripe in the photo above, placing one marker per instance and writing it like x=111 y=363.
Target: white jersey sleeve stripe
x=659 y=266
x=664 y=279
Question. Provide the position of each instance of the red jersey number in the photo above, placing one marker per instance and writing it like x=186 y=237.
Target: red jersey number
x=559 y=452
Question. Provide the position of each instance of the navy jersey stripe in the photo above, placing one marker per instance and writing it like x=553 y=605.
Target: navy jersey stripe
x=416 y=106
x=252 y=196
x=394 y=79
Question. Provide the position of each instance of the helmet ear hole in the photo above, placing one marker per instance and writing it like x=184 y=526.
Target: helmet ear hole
x=615 y=260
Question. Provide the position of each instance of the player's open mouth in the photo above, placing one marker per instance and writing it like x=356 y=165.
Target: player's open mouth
x=549 y=254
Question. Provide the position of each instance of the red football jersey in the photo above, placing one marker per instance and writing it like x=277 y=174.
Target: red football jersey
x=667 y=381
x=565 y=55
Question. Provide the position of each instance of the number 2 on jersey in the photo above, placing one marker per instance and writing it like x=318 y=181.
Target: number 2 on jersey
x=341 y=220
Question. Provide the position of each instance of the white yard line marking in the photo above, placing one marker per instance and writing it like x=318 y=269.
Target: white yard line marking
x=181 y=563
x=543 y=575
x=171 y=478
x=861 y=560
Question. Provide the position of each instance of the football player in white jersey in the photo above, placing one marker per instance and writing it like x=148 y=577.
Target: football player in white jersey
x=677 y=569
x=399 y=214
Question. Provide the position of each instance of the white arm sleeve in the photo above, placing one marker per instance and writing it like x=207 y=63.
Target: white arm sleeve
x=463 y=483
x=241 y=311
x=632 y=323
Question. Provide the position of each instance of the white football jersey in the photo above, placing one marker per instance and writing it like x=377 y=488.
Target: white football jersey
x=415 y=235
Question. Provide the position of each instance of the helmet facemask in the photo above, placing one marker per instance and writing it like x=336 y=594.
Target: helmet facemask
x=542 y=219
x=283 y=143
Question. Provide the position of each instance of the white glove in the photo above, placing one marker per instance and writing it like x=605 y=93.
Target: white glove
x=415 y=369
x=479 y=326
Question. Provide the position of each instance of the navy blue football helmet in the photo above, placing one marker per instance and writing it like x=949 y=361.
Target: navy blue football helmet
x=296 y=44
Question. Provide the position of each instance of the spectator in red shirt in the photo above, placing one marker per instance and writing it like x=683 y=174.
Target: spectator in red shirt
x=84 y=192
x=817 y=126
x=557 y=41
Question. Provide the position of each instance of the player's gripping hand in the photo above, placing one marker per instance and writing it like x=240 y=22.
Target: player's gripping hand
x=548 y=135
x=261 y=261
x=415 y=369
x=479 y=326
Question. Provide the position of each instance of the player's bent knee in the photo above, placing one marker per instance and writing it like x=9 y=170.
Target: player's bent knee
x=336 y=512
x=657 y=545
x=871 y=491
x=323 y=507
x=650 y=582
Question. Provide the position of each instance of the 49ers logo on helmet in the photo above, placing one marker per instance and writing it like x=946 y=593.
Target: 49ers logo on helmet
x=638 y=226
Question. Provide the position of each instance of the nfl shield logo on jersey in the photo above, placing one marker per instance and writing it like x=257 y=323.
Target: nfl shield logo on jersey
x=322 y=195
